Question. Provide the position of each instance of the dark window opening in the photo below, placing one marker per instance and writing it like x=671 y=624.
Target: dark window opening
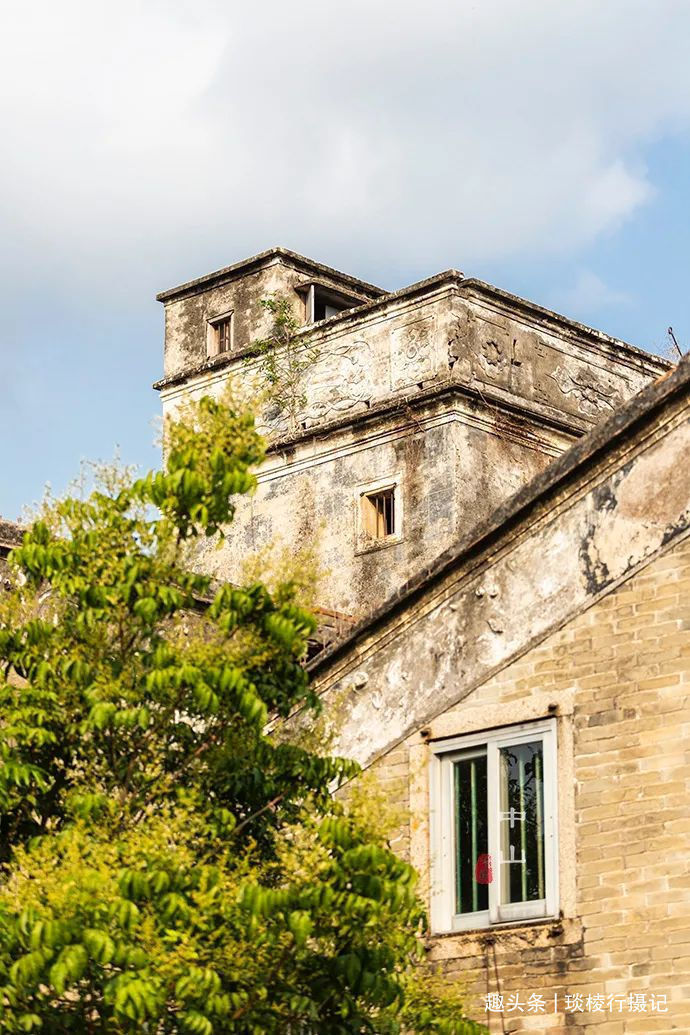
x=324 y=309
x=522 y=795
x=324 y=304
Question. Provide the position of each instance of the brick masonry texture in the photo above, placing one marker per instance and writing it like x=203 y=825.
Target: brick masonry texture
x=620 y=674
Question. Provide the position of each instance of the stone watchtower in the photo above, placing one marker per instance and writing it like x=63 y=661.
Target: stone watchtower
x=425 y=409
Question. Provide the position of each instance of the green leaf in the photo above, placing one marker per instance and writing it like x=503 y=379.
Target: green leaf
x=300 y=925
x=196 y=1023
x=99 y=945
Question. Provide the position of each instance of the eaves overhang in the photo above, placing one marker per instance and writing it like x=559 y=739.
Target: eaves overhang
x=261 y=260
x=451 y=279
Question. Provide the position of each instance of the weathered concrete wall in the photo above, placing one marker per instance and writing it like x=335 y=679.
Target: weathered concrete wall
x=189 y=309
x=186 y=319
x=530 y=353
x=453 y=465
x=458 y=391
x=572 y=603
x=507 y=591
x=618 y=679
x=447 y=328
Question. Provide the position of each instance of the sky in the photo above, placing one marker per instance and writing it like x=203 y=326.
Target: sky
x=541 y=146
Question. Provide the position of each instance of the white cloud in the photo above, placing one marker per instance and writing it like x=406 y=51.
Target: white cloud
x=588 y=296
x=142 y=139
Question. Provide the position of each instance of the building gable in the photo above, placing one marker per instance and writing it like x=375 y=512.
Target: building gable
x=602 y=512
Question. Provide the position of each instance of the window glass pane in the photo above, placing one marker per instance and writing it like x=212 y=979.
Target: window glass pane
x=472 y=869
x=521 y=822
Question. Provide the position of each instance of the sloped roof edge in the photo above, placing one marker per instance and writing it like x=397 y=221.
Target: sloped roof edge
x=262 y=259
x=570 y=466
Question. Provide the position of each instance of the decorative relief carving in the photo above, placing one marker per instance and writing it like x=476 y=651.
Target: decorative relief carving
x=339 y=381
x=456 y=346
x=592 y=396
x=489 y=350
x=413 y=353
x=486 y=350
x=494 y=354
x=272 y=421
x=460 y=357
x=540 y=393
x=522 y=362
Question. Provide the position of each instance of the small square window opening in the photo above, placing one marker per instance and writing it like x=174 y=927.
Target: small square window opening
x=220 y=335
x=378 y=513
x=323 y=304
x=323 y=310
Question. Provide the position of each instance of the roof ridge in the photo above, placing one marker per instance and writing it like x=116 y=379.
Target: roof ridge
x=191 y=286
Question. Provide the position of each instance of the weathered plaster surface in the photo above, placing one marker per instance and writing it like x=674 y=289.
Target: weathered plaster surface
x=186 y=320
x=503 y=595
x=238 y=290
x=453 y=469
x=616 y=678
x=467 y=395
x=461 y=392
x=396 y=346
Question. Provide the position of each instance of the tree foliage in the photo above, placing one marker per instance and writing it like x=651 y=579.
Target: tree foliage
x=168 y=865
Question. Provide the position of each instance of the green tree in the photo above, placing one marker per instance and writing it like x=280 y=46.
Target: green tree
x=169 y=865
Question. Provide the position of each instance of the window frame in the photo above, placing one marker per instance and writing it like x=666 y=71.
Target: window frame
x=213 y=334
x=387 y=516
x=444 y=919
x=366 y=542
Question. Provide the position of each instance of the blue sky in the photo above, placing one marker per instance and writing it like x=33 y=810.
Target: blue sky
x=543 y=147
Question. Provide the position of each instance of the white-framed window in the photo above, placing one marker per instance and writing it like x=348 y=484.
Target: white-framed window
x=379 y=514
x=220 y=334
x=494 y=844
